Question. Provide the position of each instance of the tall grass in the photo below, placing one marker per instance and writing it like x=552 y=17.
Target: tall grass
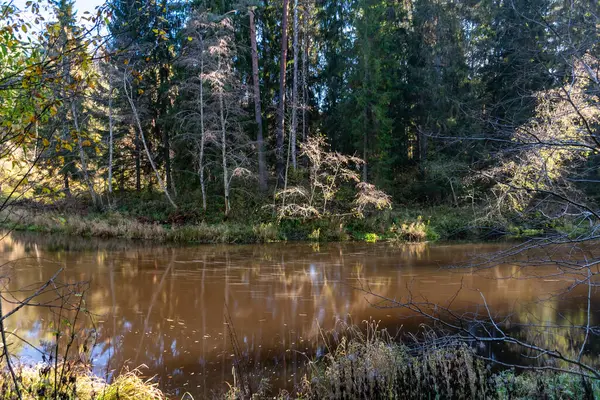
x=373 y=365
x=36 y=383
x=116 y=225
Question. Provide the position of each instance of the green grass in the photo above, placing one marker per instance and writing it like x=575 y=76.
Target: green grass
x=150 y=218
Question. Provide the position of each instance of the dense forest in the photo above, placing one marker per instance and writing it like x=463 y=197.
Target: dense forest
x=189 y=111
x=252 y=121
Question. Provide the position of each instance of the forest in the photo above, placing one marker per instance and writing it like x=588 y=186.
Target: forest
x=322 y=126
x=427 y=118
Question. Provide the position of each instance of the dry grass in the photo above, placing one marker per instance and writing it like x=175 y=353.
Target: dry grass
x=372 y=365
x=116 y=225
x=38 y=382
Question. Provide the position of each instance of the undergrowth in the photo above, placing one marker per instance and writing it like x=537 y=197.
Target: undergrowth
x=38 y=383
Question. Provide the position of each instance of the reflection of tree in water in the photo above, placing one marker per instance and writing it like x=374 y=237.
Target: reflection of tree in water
x=164 y=307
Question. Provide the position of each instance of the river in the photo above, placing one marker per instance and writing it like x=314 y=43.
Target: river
x=168 y=307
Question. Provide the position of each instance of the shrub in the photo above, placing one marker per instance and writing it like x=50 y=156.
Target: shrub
x=371 y=237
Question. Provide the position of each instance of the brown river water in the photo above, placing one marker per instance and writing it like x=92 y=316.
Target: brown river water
x=167 y=307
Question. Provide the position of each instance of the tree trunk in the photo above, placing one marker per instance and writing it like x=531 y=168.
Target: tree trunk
x=67 y=188
x=84 y=168
x=305 y=42
x=281 y=110
x=110 y=136
x=224 y=148
x=202 y=131
x=295 y=89
x=167 y=157
x=138 y=166
x=365 y=143
x=141 y=134
x=262 y=163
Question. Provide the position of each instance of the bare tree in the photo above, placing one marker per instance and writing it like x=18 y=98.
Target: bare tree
x=129 y=94
x=328 y=171
x=218 y=100
x=195 y=56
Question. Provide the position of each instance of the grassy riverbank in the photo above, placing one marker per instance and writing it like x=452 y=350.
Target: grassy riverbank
x=149 y=217
x=361 y=367
x=158 y=223
x=377 y=368
x=40 y=382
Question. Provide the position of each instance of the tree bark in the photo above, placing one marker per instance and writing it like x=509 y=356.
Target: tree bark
x=110 y=135
x=262 y=163
x=295 y=89
x=167 y=157
x=138 y=163
x=202 y=130
x=224 y=148
x=281 y=110
x=67 y=188
x=305 y=42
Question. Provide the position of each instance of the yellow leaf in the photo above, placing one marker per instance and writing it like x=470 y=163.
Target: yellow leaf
x=45 y=142
x=190 y=38
x=86 y=143
x=68 y=146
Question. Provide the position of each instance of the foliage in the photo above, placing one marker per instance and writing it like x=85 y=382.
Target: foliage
x=549 y=148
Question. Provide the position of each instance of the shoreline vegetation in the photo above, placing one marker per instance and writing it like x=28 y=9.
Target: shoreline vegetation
x=153 y=221
x=370 y=365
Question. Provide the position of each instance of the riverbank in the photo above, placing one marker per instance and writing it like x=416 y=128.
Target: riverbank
x=70 y=382
x=377 y=368
x=188 y=227
x=148 y=217
x=357 y=368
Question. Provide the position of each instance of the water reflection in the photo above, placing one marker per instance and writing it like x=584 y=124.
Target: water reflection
x=166 y=307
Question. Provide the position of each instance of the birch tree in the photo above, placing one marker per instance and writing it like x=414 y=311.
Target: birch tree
x=213 y=115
